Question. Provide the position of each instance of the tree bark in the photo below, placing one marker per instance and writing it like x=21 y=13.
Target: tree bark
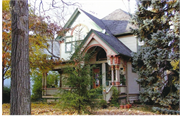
x=20 y=80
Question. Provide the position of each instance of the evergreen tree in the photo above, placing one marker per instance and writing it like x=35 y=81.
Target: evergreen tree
x=157 y=60
x=79 y=97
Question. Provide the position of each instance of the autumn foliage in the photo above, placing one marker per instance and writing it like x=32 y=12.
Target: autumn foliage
x=40 y=32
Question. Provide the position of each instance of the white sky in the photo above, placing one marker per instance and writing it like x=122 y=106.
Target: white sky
x=98 y=8
x=102 y=8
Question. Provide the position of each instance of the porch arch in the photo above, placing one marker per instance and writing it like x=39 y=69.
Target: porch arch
x=93 y=46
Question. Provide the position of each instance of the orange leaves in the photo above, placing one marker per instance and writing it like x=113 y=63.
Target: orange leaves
x=39 y=33
x=6 y=42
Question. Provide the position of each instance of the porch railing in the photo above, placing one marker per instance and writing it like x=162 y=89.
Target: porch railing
x=108 y=91
x=51 y=91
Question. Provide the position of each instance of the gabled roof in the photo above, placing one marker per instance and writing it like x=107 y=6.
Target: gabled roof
x=115 y=23
x=118 y=22
x=97 y=21
x=69 y=22
x=117 y=46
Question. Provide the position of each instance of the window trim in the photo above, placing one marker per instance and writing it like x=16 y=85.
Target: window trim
x=66 y=47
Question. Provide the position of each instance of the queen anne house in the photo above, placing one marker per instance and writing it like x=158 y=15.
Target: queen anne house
x=113 y=43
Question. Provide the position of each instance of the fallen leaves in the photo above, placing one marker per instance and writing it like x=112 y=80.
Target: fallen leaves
x=118 y=111
x=50 y=109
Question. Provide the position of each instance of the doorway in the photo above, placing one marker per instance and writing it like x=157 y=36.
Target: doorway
x=96 y=77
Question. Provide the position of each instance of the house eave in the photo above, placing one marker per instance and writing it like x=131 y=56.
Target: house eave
x=122 y=34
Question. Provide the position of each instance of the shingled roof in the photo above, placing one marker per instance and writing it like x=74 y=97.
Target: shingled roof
x=114 y=43
x=99 y=22
x=118 y=22
x=115 y=23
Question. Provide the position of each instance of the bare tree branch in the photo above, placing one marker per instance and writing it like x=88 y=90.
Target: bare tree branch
x=52 y=54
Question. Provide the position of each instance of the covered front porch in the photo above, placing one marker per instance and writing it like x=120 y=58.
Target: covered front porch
x=108 y=72
x=111 y=59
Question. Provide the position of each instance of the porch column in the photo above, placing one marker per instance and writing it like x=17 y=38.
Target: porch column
x=43 y=83
x=112 y=74
x=104 y=79
x=60 y=80
x=117 y=75
x=103 y=75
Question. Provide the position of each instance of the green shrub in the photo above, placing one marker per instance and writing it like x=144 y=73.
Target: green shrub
x=115 y=96
x=37 y=86
x=164 y=111
x=6 y=95
x=103 y=103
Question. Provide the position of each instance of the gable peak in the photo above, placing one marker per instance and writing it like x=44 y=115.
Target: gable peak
x=118 y=14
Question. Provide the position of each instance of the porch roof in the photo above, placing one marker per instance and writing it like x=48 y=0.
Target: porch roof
x=117 y=46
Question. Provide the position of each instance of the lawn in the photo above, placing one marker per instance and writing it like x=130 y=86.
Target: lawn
x=50 y=109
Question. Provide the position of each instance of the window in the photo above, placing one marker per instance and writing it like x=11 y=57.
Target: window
x=68 y=47
x=122 y=77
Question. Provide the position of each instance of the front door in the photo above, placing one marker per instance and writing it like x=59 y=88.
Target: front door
x=96 y=77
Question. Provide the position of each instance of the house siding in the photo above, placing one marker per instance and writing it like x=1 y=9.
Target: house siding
x=133 y=86
x=130 y=41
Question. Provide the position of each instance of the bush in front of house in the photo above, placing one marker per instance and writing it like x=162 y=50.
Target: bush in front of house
x=103 y=103
x=115 y=96
x=79 y=97
x=6 y=95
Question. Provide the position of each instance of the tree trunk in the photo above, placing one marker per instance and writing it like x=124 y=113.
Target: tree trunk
x=2 y=88
x=20 y=80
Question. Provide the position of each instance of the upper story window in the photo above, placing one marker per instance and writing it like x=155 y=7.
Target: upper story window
x=68 y=45
x=79 y=32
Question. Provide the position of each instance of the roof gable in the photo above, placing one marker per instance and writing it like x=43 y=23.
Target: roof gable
x=116 y=23
x=75 y=15
x=69 y=23
x=97 y=21
x=117 y=46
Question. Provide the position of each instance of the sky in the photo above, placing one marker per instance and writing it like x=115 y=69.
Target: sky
x=98 y=8
x=102 y=8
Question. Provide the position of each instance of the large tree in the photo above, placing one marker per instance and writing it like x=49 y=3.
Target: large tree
x=157 y=60
x=40 y=33
x=20 y=74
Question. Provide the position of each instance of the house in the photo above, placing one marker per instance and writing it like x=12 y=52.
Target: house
x=113 y=41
